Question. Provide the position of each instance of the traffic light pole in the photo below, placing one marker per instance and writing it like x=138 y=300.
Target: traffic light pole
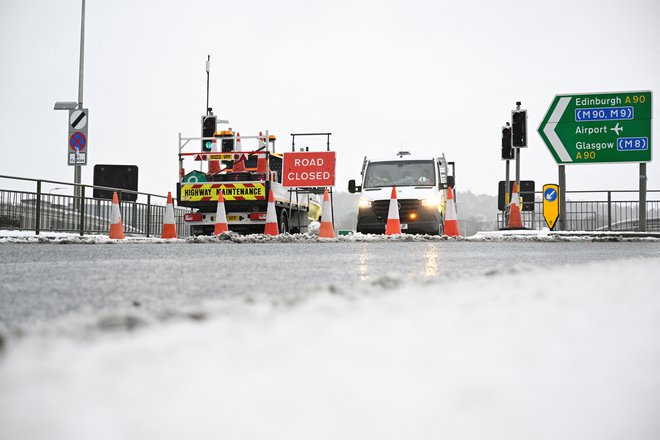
x=507 y=155
x=517 y=151
x=507 y=197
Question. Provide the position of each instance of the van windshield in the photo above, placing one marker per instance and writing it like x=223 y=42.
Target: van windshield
x=400 y=173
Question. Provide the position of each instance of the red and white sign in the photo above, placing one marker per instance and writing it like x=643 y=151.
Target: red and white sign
x=309 y=169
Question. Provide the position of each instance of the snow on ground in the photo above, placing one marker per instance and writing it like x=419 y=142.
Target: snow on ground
x=12 y=236
x=558 y=353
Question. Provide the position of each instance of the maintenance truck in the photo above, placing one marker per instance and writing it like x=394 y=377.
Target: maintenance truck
x=245 y=178
x=421 y=185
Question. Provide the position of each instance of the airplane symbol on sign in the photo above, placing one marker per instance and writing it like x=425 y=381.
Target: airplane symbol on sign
x=617 y=128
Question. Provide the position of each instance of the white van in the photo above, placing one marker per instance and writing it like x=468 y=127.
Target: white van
x=421 y=185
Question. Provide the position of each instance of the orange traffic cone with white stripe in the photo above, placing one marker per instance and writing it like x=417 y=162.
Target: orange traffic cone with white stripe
x=451 y=219
x=393 y=225
x=262 y=140
x=327 y=230
x=220 y=216
x=271 y=217
x=116 y=227
x=169 y=228
x=515 y=222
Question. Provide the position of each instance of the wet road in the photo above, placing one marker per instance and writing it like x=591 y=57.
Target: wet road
x=40 y=282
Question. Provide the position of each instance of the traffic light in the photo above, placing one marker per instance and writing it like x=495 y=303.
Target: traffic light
x=227 y=142
x=208 y=130
x=519 y=128
x=507 y=151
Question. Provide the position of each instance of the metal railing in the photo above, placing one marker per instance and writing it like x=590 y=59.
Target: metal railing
x=602 y=210
x=35 y=205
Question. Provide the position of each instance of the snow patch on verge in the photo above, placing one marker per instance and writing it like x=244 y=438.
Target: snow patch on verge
x=232 y=237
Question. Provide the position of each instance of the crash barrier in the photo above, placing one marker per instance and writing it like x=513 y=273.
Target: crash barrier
x=45 y=205
x=600 y=210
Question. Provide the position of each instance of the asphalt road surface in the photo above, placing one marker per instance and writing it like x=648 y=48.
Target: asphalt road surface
x=40 y=282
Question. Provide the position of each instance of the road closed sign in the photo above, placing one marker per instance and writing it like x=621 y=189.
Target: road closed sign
x=307 y=169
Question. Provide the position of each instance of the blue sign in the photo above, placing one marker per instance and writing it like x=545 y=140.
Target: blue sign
x=604 y=114
x=632 y=144
x=550 y=194
x=77 y=141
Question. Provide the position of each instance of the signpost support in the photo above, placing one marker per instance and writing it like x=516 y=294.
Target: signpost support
x=77 y=170
x=642 y=197
x=507 y=196
x=517 y=150
x=562 y=199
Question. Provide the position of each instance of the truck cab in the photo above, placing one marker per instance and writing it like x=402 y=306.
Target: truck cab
x=421 y=185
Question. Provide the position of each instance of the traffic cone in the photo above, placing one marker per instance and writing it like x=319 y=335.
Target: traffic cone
x=116 y=227
x=169 y=228
x=220 y=216
x=271 y=217
x=262 y=141
x=239 y=165
x=327 y=230
x=515 y=222
x=393 y=224
x=451 y=220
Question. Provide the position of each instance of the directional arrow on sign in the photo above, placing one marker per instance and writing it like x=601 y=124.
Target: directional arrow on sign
x=598 y=128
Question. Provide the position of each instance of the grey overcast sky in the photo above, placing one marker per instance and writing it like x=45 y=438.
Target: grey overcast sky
x=425 y=76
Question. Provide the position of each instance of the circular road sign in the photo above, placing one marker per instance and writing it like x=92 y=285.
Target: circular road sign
x=78 y=119
x=550 y=194
x=78 y=141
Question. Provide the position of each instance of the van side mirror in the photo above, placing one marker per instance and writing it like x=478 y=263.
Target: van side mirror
x=451 y=181
x=352 y=188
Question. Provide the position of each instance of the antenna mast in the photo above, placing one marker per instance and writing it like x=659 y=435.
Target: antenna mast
x=209 y=110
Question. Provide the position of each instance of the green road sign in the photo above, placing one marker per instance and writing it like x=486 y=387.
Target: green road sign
x=599 y=127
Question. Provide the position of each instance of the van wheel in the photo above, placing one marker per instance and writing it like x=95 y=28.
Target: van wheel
x=284 y=222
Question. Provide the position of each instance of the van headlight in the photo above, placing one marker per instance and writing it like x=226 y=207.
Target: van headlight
x=364 y=203
x=432 y=201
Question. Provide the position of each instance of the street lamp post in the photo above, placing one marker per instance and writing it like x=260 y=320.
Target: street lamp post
x=70 y=106
x=77 y=171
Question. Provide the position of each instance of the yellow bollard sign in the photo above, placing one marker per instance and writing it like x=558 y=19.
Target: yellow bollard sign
x=550 y=204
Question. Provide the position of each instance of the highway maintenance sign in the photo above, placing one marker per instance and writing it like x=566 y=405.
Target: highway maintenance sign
x=208 y=192
x=599 y=128
x=308 y=169
x=550 y=204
